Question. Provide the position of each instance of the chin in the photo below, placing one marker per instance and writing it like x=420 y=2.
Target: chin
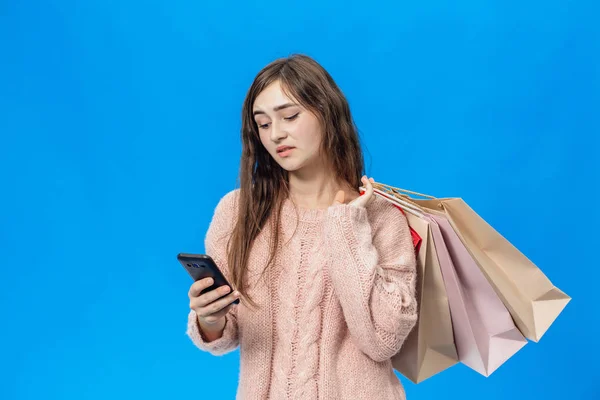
x=290 y=166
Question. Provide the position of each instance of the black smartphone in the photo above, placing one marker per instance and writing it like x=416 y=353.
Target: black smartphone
x=201 y=266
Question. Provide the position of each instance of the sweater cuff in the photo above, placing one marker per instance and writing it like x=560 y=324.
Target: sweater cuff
x=219 y=346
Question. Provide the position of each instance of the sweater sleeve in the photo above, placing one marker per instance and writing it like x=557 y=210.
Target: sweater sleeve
x=372 y=266
x=216 y=246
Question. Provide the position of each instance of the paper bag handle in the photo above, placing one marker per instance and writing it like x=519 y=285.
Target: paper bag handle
x=406 y=206
x=392 y=188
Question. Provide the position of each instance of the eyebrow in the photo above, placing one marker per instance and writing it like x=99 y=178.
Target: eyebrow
x=277 y=108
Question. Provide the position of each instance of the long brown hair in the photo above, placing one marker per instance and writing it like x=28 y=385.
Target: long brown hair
x=263 y=183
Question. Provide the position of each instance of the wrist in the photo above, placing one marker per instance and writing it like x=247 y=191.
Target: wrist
x=211 y=331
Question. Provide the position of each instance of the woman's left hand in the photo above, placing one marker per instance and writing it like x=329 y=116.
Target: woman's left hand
x=360 y=201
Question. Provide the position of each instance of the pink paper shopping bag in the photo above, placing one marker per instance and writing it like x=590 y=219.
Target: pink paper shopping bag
x=484 y=331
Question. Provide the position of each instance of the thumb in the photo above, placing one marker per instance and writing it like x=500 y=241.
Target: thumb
x=339 y=198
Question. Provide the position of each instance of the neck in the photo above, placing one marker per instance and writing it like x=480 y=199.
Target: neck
x=316 y=189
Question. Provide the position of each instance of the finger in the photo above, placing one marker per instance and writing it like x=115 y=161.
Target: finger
x=222 y=312
x=339 y=197
x=216 y=306
x=372 y=180
x=369 y=187
x=199 y=286
x=214 y=318
x=363 y=180
x=367 y=194
x=211 y=296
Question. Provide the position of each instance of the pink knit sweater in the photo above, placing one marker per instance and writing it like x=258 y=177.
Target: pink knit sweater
x=335 y=308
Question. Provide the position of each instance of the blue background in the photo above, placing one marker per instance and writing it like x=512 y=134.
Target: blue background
x=120 y=132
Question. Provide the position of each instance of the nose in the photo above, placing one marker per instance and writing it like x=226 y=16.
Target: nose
x=277 y=132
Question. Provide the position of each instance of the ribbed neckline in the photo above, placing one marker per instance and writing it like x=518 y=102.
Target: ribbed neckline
x=290 y=209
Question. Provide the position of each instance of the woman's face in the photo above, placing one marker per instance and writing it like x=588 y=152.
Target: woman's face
x=290 y=133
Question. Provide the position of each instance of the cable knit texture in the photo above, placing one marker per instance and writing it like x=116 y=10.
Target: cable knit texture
x=335 y=307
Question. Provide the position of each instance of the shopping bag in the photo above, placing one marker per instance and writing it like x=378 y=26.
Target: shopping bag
x=532 y=300
x=484 y=332
x=429 y=348
x=488 y=335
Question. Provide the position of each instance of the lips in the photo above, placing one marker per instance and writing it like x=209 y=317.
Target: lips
x=281 y=149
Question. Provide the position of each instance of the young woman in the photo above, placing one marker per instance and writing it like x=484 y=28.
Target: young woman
x=326 y=277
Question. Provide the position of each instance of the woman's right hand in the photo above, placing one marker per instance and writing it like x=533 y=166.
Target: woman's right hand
x=210 y=307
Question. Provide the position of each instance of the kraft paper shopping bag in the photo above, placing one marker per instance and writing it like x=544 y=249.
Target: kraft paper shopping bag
x=429 y=348
x=531 y=298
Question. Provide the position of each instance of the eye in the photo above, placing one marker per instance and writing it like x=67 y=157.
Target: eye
x=262 y=126
x=293 y=117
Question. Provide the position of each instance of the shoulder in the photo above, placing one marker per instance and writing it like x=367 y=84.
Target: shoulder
x=383 y=213
x=229 y=202
x=225 y=214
